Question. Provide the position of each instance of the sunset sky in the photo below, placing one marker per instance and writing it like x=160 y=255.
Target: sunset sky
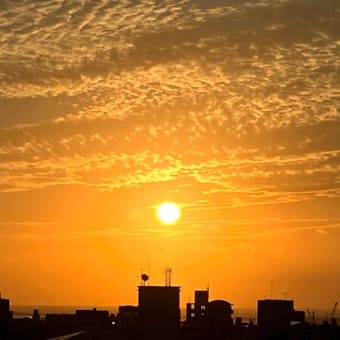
x=228 y=108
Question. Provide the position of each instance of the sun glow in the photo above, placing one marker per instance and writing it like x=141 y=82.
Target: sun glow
x=168 y=212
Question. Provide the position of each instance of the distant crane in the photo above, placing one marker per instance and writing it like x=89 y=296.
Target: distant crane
x=311 y=316
x=333 y=318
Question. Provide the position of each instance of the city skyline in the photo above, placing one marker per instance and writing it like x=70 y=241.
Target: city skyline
x=229 y=109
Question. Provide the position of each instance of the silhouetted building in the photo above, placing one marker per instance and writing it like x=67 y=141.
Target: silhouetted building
x=159 y=312
x=277 y=315
x=127 y=321
x=198 y=309
x=219 y=314
x=82 y=319
x=201 y=303
x=36 y=315
x=206 y=318
x=5 y=317
x=61 y=322
x=5 y=313
x=299 y=316
x=93 y=318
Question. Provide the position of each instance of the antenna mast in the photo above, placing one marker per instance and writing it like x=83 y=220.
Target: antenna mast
x=271 y=289
x=168 y=274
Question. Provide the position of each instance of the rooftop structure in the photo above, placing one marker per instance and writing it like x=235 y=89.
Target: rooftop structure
x=277 y=314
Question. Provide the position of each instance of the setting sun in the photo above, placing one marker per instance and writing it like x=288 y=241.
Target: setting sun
x=168 y=212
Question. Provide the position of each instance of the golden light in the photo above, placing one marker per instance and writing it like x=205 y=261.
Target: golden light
x=168 y=212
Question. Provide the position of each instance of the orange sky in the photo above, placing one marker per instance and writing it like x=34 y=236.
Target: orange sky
x=230 y=109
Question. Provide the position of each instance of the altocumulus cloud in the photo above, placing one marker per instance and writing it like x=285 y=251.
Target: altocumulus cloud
x=241 y=96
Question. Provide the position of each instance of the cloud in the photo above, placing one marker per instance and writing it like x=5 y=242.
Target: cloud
x=212 y=230
x=112 y=95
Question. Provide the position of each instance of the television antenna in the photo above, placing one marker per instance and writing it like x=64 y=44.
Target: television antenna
x=168 y=274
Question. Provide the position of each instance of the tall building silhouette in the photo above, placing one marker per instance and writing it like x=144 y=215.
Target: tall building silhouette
x=159 y=312
x=208 y=318
x=5 y=317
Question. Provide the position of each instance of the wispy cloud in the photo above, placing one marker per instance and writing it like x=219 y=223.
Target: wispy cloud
x=158 y=91
x=214 y=230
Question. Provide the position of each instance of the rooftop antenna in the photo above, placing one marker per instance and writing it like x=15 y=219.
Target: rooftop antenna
x=271 y=289
x=285 y=295
x=168 y=274
x=148 y=267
